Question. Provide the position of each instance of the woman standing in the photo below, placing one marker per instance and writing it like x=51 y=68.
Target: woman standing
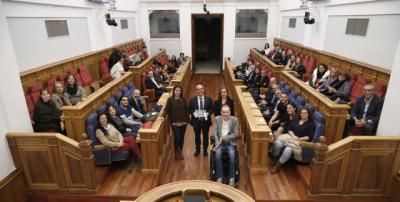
x=223 y=99
x=58 y=96
x=46 y=115
x=177 y=112
x=74 y=92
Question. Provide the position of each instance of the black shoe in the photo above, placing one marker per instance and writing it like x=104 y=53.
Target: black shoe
x=196 y=153
x=205 y=153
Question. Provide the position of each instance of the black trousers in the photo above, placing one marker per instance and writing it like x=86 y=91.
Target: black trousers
x=179 y=136
x=201 y=126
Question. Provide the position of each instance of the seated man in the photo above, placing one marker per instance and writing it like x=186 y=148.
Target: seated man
x=225 y=132
x=138 y=102
x=129 y=115
x=151 y=83
x=366 y=112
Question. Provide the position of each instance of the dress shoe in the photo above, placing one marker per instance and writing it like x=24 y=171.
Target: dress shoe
x=196 y=153
x=205 y=153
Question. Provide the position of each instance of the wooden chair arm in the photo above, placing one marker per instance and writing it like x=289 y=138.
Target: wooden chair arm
x=307 y=145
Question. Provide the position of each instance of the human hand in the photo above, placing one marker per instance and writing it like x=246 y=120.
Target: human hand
x=62 y=125
x=128 y=130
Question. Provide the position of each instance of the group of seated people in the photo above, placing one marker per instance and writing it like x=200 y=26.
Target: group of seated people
x=119 y=61
x=251 y=75
x=47 y=112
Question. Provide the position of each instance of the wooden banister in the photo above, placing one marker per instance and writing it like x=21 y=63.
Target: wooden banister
x=358 y=166
x=51 y=161
x=266 y=63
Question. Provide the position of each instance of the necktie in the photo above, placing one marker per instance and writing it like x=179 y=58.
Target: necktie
x=201 y=103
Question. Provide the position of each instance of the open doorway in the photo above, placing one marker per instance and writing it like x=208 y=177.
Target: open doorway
x=207 y=42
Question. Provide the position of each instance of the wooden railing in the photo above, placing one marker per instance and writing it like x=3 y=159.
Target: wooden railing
x=75 y=116
x=154 y=141
x=356 y=166
x=229 y=76
x=253 y=129
x=335 y=114
x=51 y=161
x=374 y=73
x=90 y=60
x=266 y=63
x=143 y=67
x=183 y=76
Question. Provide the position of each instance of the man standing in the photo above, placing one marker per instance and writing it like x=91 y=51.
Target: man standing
x=200 y=109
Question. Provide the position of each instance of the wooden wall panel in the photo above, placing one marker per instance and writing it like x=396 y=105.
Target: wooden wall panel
x=13 y=187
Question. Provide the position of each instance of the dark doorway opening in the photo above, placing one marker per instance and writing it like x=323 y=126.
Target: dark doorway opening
x=207 y=42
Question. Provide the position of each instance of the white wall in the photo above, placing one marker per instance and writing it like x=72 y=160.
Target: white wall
x=293 y=34
x=50 y=49
x=172 y=46
x=122 y=35
x=377 y=47
x=243 y=47
x=14 y=115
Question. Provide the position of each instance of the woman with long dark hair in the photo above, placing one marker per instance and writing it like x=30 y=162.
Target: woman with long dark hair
x=74 y=92
x=119 y=124
x=177 y=112
x=46 y=115
x=223 y=99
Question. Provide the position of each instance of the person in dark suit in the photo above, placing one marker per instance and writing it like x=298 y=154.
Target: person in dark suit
x=138 y=102
x=366 y=112
x=151 y=83
x=200 y=109
x=264 y=80
x=223 y=99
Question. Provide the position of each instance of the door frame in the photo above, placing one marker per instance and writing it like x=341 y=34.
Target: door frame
x=221 y=15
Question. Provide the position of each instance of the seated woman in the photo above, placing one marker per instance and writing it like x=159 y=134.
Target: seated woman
x=291 y=62
x=299 y=130
x=339 y=91
x=299 y=69
x=119 y=124
x=333 y=76
x=58 y=96
x=225 y=133
x=109 y=136
x=319 y=76
x=118 y=68
x=46 y=116
x=74 y=92
x=172 y=65
x=223 y=99
x=285 y=120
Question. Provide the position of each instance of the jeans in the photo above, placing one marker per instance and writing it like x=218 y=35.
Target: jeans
x=230 y=149
x=286 y=154
x=179 y=136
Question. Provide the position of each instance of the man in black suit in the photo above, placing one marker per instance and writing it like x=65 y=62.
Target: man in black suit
x=138 y=102
x=200 y=109
x=366 y=112
x=264 y=80
x=151 y=83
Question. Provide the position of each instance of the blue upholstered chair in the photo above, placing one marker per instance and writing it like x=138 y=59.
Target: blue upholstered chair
x=131 y=86
x=125 y=90
x=103 y=155
x=299 y=102
x=102 y=109
x=112 y=102
x=117 y=96
x=281 y=84
x=309 y=107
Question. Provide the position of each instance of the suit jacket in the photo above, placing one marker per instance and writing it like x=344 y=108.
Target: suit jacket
x=263 y=82
x=373 y=112
x=150 y=84
x=193 y=105
x=218 y=106
x=233 y=130
x=143 y=108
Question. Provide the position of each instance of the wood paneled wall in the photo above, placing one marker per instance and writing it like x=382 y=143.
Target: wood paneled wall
x=51 y=161
x=335 y=114
x=356 y=166
x=183 y=76
x=13 y=187
x=75 y=116
x=144 y=67
x=266 y=64
x=229 y=77
x=90 y=60
x=374 y=73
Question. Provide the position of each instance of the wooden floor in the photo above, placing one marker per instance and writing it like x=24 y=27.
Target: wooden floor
x=118 y=184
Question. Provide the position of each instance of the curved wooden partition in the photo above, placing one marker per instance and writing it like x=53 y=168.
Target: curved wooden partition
x=143 y=67
x=90 y=60
x=211 y=191
x=229 y=76
x=75 y=116
x=356 y=166
x=51 y=161
x=183 y=76
x=266 y=64
x=253 y=129
x=154 y=141
x=374 y=73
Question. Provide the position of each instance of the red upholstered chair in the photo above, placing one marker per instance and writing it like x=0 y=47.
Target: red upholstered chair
x=380 y=89
x=34 y=92
x=50 y=84
x=61 y=77
x=358 y=88
x=30 y=104
x=105 y=76
x=85 y=76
